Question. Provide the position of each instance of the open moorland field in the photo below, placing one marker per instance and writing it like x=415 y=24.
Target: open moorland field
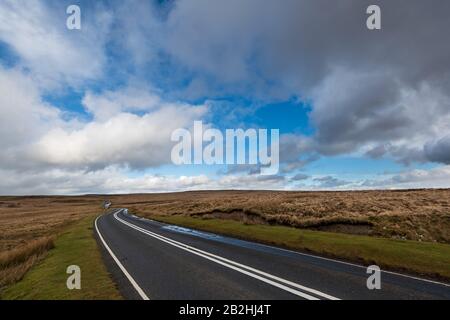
x=30 y=226
x=422 y=215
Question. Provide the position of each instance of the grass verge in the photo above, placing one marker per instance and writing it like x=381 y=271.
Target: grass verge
x=422 y=258
x=14 y=264
x=47 y=279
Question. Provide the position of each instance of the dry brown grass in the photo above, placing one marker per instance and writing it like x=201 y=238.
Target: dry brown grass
x=28 y=226
x=422 y=215
x=411 y=214
x=16 y=262
x=24 y=219
x=21 y=254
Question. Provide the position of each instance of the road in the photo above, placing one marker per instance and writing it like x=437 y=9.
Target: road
x=153 y=260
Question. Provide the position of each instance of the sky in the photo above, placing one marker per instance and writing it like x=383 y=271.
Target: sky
x=93 y=110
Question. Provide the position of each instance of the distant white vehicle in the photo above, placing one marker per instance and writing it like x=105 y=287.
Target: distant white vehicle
x=106 y=204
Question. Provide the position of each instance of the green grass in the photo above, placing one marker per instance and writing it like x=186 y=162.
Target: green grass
x=47 y=280
x=423 y=258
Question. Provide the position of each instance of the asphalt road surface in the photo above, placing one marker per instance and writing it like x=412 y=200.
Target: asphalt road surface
x=152 y=260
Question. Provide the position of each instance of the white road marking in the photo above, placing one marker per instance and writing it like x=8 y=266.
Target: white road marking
x=343 y=262
x=127 y=274
x=251 y=272
x=355 y=265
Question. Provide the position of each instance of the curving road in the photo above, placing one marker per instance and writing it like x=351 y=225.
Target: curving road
x=152 y=260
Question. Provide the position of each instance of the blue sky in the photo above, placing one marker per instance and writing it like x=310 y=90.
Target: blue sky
x=92 y=110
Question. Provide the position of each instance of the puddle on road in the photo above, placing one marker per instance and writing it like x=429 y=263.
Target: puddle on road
x=230 y=241
x=192 y=232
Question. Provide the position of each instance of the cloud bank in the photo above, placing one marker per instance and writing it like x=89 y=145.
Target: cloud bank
x=142 y=67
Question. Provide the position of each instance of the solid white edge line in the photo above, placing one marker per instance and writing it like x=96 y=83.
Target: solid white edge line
x=344 y=262
x=234 y=265
x=262 y=273
x=126 y=273
x=356 y=265
x=184 y=247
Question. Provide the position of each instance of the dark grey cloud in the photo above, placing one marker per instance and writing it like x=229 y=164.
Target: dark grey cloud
x=381 y=93
x=298 y=42
x=329 y=182
x=377 y=152
x=296 y=152
x=299 y=177
x=367 y=88
x=250 y=169
x=439 y=151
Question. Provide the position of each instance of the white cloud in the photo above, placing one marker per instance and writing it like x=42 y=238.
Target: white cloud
x=363 y=101
x=125 y=139
x=111 y=103
x=438 y=177
x=37 y=32
x=116 y=180
x=44 y=154
x=24 y=117
x=35 y=136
